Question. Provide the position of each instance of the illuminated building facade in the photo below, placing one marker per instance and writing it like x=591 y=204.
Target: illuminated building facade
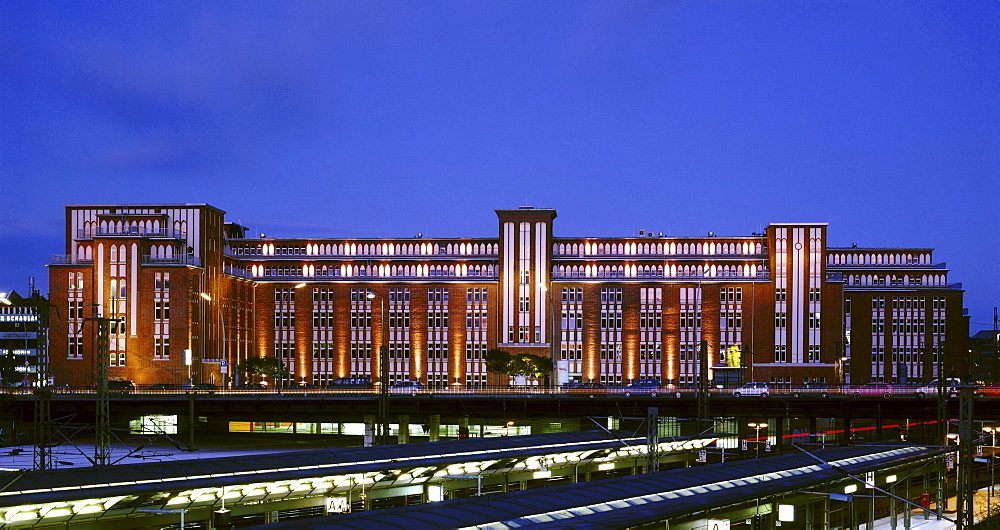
x=22 y=338
x=776 y=306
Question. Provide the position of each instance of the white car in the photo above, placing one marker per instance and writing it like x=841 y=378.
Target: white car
x=931 y=389
x=753 y=389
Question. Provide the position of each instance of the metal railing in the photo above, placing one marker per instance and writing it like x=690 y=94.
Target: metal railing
x=667 y=391
x=177 y=259
x=131 y=231
x=69 y=259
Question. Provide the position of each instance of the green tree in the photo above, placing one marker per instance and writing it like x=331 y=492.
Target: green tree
x=522 y=364
x=265 y=366
x=497 y=361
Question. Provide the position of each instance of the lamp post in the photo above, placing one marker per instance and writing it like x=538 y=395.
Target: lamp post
x=757 y=427
x=993 y=446
x=222 y=327
x=382 y=436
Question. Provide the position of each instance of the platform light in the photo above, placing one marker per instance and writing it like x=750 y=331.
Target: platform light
x=607 y=466
x=851 y=488
x=435 y=493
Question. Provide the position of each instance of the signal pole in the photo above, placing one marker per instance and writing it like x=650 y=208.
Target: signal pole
x=42 y=390
x=102 y=434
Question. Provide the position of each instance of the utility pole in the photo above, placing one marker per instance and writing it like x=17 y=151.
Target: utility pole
x=42 y=390
x=965 y=495
x=652 y=440
x=102 y=434
x=703 y=411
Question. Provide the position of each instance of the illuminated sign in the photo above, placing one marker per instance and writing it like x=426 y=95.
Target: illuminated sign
x=18 y=335
x=18 y=318
x=337 y=505
x=21 y=351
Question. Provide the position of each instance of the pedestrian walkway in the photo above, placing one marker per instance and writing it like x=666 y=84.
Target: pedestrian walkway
x=981 y=503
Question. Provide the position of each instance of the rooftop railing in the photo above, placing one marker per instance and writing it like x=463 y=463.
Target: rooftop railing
x=180 y=259
x=131 y=231
x=69 y=259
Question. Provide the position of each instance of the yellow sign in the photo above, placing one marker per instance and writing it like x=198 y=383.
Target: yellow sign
x=733 y=359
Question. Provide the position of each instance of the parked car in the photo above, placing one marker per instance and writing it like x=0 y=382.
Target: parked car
x=591 y=389
x=643 y=386
x=874 y=389
x=753 y=389
x=353 y=382
x=204 y=387
x=163 y=386
x=120 y=387
x=407 y=387
x=950 y=387
x=812 y=389
x=249 y=386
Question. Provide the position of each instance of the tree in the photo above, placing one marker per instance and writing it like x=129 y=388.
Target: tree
x=497 y=361
x=265 y=366
x=521 y=364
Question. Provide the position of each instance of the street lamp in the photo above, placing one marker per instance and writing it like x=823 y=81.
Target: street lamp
x=4 y=300
x=757 y=427
x=382 y=437
x=222 y=326
x=993 y=447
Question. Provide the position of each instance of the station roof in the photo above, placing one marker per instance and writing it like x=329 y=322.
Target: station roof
x=635 y=500
x=37 y=487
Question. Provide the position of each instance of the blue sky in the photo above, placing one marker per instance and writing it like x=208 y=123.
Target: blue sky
x=368 y=119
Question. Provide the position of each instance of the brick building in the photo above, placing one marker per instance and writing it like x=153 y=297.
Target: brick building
x=776 y=306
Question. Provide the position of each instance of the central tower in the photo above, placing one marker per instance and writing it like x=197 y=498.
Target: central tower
x=525 y=265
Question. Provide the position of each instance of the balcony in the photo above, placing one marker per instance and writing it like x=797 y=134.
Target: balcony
x=172 y=260
x=235 y=271
x=69 y=259
x=131 y=231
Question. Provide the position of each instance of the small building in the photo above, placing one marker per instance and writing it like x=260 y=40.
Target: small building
x=22 y=338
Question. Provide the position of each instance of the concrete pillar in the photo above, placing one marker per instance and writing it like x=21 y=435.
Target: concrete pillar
x=845 y=433
x=404 y=428
x=907 y=509
x=369 y=429
x=779 y=432
x=434 y=432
